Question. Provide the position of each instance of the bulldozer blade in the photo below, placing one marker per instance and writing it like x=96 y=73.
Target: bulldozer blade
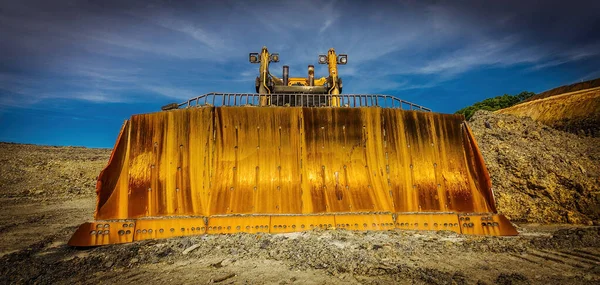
x=211 y=170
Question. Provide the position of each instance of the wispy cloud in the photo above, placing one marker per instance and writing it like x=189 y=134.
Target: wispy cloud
x=99 y=97
x=331 y=16
x=575 y=54
x=104 y=53
x=481 y=53
x=326 y=25
x=212 y=41
x=25 y=89
x=172 y=92
x=592 y=75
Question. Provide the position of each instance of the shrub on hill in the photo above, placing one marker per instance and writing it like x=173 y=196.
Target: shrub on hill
x=496 y=103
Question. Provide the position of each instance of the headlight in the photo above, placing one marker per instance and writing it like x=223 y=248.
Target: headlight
x=254 y=57
x=274 y=57
x=322 y=59
x=342 y=59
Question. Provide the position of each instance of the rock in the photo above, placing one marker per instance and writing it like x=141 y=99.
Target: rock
x=265 y=244
x=190 y=249
x=223 y=278
x=500 y=124
x=226 y=262
x=108 y=264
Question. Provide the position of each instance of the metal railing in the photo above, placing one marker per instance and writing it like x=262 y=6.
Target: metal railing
x=300 y=100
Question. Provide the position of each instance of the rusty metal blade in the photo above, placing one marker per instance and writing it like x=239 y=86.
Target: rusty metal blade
x=292 y=165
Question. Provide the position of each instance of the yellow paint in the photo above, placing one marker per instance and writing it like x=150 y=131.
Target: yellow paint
x=486 y=225
x=237 y=224
x=298 y=223
x=371 y=222
x=304 y=81
x=333 y=76
x=103 y=233
x=294 y=166
x=166 y=228
x=264 y=72
x=431 y=222
x=285 y=160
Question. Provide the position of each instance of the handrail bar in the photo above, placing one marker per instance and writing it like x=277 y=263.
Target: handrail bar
x=299 y=100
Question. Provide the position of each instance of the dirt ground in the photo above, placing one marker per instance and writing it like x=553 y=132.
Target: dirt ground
x=33 y=235
x=46 y=192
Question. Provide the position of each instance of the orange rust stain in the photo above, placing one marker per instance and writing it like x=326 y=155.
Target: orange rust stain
x=225 y=161
x=241 y=160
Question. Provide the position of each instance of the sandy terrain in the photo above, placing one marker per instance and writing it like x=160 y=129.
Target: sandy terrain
x=34 y=234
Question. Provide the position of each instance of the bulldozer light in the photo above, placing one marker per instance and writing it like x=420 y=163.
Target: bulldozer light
x=322 y=59
x=254 y=57
x=275 y=57
x=343 y=59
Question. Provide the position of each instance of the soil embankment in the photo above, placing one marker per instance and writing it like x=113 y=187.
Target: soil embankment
x=540 y=174
x=576 y=112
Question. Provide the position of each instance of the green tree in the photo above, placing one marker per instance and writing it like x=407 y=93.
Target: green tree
x=496 y=103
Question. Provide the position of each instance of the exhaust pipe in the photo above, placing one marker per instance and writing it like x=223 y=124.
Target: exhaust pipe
x=286 y=75
x=311 y=75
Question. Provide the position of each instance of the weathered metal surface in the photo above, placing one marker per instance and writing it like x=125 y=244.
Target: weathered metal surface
x=493 y=225
x=293 y=167
x=237 y=224
x=102 y=233
x=166 y=228
x=428 y=221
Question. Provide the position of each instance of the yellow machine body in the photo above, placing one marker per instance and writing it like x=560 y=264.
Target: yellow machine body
x=210 y=169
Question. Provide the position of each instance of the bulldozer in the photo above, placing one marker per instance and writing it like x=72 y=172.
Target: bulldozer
x=297 y=155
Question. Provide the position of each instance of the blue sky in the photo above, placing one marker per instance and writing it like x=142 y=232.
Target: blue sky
x=72 y=71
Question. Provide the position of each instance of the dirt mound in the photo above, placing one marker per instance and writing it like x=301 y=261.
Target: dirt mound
x=540 y=174
x=566 y=89
x=576 y=112
x=48 y=171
